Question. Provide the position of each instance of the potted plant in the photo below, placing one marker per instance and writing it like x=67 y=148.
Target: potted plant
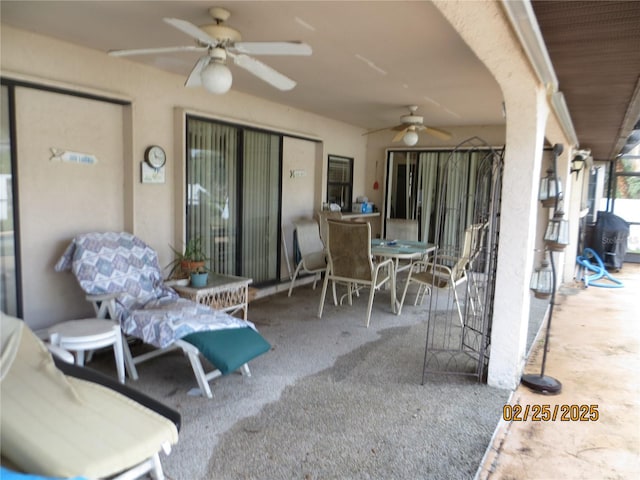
x=199 y=277
x=192 y=258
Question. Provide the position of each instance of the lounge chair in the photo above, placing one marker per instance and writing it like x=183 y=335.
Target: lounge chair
x=62 y=420
x=122 y=278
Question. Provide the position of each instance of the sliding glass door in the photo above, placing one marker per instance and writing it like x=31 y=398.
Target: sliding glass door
x=260 y=206
x=9 y=298
x=233 y=204
x=415 y=189
x=212 y=191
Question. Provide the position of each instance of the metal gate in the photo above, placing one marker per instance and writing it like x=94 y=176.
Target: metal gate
x=467 y=228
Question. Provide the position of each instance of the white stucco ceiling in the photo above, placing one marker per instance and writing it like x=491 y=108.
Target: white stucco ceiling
x=370 y=59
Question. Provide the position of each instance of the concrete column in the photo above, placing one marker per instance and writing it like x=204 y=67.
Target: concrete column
x=577 y=185
x=485 y=28
x=523 y=157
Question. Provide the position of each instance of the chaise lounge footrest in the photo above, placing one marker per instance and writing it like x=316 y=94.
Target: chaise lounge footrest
x=230 y=348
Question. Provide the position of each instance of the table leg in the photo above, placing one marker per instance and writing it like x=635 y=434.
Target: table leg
x=80 y=358
x=118 y=353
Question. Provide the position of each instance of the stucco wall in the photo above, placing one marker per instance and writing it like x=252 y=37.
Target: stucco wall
x=150 y=210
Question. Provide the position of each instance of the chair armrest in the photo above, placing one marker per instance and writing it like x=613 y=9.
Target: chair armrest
x=452 y=258
x=377 y=266
x=457 y=269
x=437 y=268
x=388 y=261
x=420 y=264
x=104 y=304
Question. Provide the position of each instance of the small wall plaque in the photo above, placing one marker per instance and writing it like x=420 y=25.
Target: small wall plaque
x=60 y=155
x=149 y=174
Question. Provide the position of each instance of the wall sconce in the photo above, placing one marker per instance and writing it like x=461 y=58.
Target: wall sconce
x=579 y=161
x=550 y=189
x=542 y=280
x=556 y=236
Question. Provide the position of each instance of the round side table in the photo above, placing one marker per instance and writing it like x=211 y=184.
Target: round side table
x=88 y=334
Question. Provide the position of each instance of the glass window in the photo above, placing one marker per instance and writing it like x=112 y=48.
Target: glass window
x=340 y=181
x=233 y=197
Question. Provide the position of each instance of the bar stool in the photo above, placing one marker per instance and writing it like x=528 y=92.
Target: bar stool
x=89 y=334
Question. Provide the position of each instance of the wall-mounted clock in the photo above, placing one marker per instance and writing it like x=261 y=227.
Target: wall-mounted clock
x=155 y=156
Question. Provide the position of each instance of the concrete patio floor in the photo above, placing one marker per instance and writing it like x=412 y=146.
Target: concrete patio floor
x=594 y=351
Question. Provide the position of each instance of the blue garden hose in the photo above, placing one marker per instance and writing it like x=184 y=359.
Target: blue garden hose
x=584 y=260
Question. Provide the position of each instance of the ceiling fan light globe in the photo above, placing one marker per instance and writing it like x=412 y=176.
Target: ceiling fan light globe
x=410 y=138
x=216 y=78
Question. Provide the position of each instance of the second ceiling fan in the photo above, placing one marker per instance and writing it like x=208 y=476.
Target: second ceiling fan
x=410 y=126
x=219 y=42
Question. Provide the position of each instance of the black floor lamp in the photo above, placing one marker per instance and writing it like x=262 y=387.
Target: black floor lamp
x=543 y=280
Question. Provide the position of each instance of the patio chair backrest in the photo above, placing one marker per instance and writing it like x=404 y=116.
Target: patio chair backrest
x=115 y=262
x=308 y=234
x=401 y=229
x=323 y=216
x=310 y=244
x=472 y=243
x=350 y=249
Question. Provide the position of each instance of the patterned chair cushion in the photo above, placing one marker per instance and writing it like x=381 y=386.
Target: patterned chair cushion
x=122 y=264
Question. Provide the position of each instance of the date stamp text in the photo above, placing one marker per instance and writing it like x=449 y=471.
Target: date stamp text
x=550 y=413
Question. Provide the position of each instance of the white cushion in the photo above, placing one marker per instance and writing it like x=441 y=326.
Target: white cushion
x=61 y=426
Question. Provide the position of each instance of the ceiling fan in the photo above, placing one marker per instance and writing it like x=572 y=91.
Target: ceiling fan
x=219 y=42
x=410 y=126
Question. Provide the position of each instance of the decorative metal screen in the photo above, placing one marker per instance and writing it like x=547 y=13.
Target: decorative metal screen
x=466 y=232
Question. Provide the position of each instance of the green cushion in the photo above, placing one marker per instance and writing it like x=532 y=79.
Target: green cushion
x=228 y=349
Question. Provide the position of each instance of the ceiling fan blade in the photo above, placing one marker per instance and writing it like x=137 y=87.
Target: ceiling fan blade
x=436 y=132
x=400 y=134
x=377 y=130
x=191 y=30
x=193 y=80
x=264 y=72
x=151 y=51
x=402 y=126
x=272 y=48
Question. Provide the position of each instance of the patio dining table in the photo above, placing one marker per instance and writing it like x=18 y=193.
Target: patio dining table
x=401 y=250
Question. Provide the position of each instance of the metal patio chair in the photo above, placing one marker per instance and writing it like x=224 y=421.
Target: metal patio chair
x=351 y=263
x=313 y=259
